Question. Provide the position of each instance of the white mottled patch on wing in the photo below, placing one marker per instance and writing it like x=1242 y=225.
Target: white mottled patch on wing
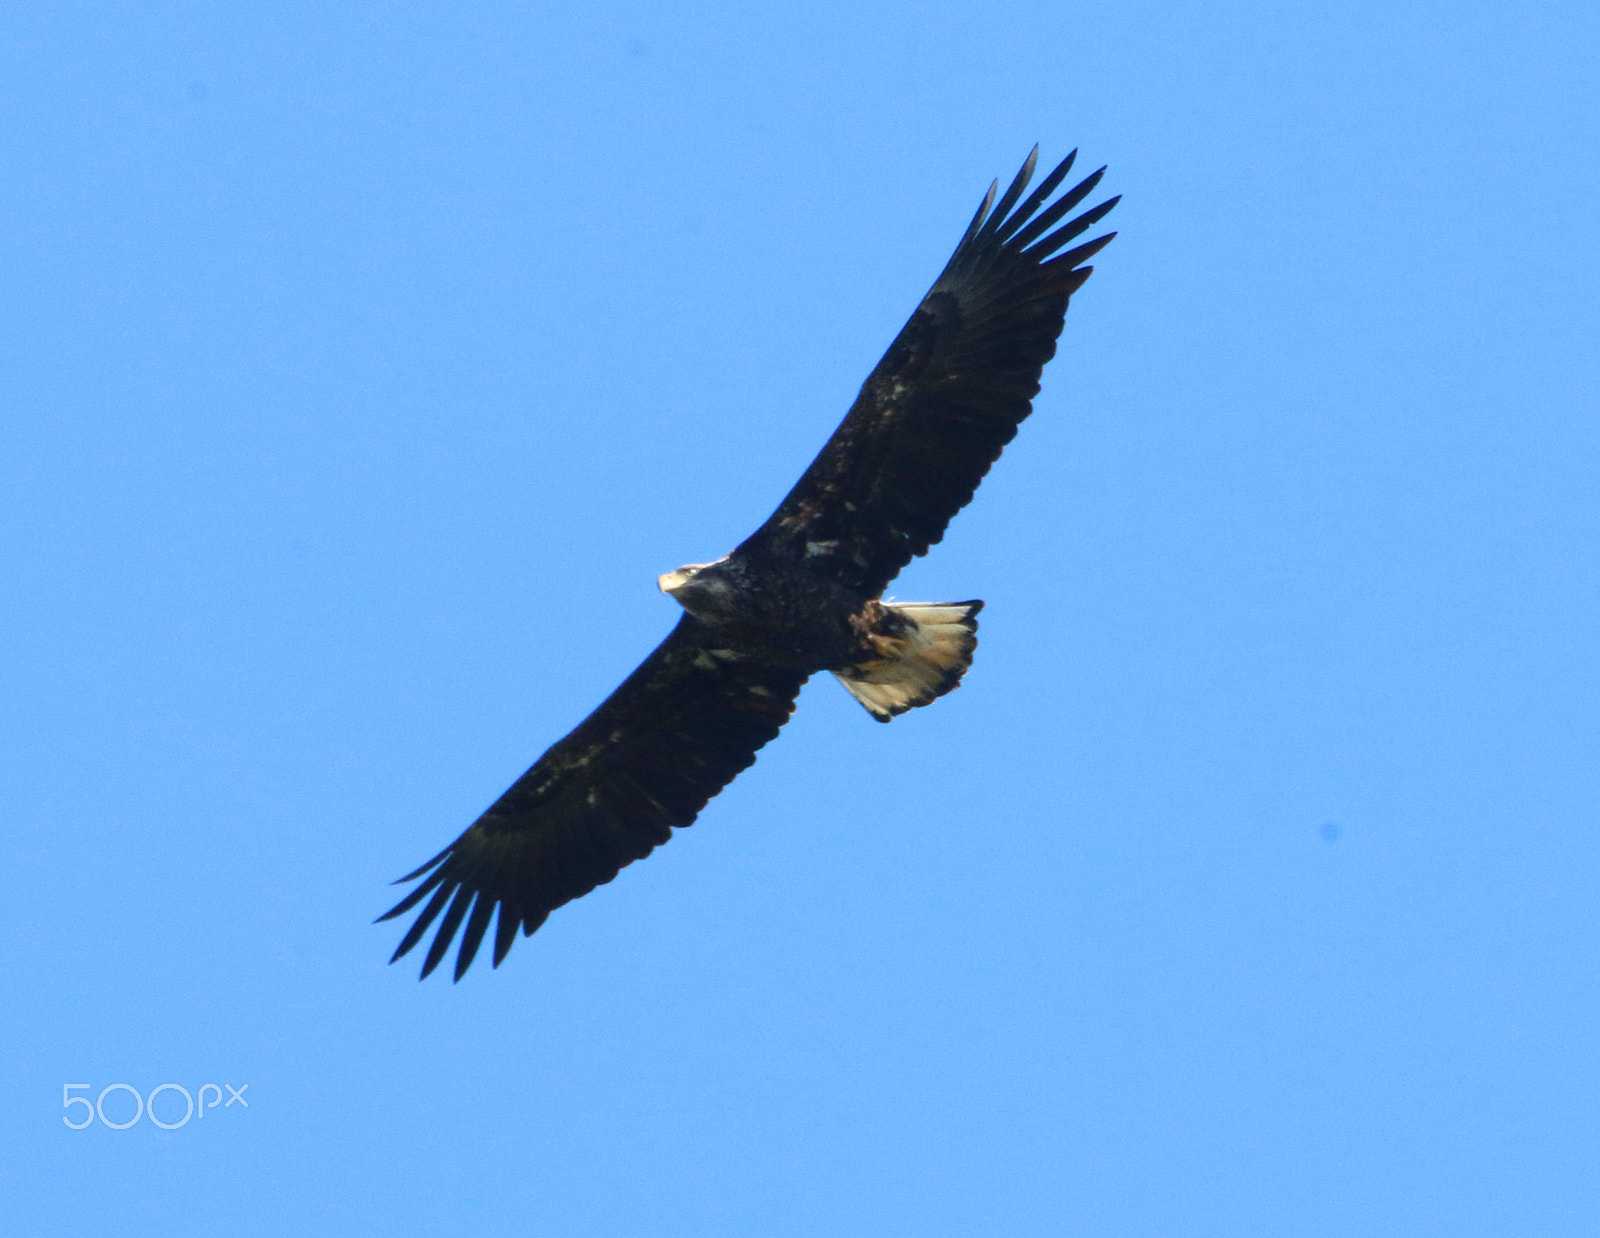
x=707 y=659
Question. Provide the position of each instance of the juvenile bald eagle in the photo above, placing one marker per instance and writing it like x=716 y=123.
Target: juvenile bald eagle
x=802 y=594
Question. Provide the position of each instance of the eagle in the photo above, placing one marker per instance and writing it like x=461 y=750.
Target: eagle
x=801 y=595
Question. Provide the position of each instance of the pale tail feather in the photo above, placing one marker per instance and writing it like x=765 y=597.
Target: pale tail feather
x=921 y=665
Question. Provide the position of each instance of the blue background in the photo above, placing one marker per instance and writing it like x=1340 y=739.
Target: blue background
x=361 y=366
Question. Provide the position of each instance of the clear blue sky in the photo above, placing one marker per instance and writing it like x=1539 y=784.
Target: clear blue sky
x=362 y=365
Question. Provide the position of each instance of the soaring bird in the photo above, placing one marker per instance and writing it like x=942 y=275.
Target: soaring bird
x=802 y=594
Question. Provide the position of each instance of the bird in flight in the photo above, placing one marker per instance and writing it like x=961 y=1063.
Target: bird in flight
x=802 y=594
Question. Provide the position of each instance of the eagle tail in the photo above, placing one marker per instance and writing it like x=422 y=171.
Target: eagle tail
x=925 y=649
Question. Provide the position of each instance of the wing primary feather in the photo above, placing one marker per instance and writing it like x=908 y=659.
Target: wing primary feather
x=447 y=929
x=531 y=923
x=1043 y=190
x=415 y=897
x=1003 y=207
x=1074 y=257
x=1066 y=232
x=977 y=220
x=412 y=876
x=473 y=937
x=505 y=932
x=1057 y=210
x=420 y=925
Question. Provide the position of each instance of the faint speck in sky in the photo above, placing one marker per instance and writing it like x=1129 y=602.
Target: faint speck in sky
x=1329 y=831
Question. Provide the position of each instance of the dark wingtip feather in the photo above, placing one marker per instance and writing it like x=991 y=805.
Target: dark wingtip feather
x=977 y=220
x=1013 y=192
x=412 y=876
x=505 y=932
x=473 y=937
x=1081 y=224
x=1073 y=257
x=1043 y=190
x=420 y=925
x=412 y=899
x=1057 y=210
x=447 y=930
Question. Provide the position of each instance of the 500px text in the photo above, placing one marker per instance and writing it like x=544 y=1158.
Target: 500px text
x=146 y=1105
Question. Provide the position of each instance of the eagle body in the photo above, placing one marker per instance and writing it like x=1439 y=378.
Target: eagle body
x=771 y=608
x=801 y=595
x=890 y=656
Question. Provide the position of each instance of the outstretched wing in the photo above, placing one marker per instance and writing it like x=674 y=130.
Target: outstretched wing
x=674 y=734
x=947 y=396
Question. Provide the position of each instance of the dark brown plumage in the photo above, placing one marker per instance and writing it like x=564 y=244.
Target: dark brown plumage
x=799 y=596
x=950 y=392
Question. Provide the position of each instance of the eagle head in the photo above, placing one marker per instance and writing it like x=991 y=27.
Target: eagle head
x=696 y=587
x=672 y=582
